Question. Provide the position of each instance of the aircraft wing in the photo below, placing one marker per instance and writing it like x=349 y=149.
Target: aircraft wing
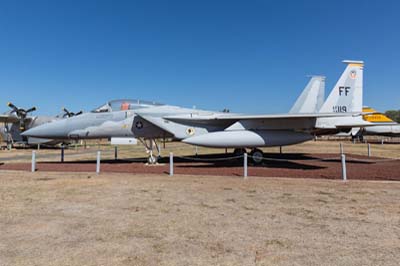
x=234 y=118
x=181 y=130
x=157 y=121
x=7 y=118
x=290 y=121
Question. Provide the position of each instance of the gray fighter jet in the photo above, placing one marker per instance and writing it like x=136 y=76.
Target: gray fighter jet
x=341 y=111
x=18 y=120
x=148 y=122
x=121 y=119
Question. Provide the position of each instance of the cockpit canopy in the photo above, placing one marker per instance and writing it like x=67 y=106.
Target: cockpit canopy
x=124 y=104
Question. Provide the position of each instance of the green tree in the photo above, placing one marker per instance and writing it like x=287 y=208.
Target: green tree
x=394 y=115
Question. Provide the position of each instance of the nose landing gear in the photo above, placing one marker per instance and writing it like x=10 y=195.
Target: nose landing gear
x=150 y=144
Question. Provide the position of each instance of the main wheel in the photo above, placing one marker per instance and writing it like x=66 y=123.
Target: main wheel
x=239 y=151
x=257 y=156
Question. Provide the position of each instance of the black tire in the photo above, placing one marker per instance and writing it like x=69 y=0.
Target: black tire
x=152 y=160
x=239 y=151
x=257 y=156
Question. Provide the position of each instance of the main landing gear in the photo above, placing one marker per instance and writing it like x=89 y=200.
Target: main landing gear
x=150 y=145
x=9 y=138
x=256 y=155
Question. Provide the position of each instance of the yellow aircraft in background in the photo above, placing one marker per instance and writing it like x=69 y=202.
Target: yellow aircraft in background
x=383 y=130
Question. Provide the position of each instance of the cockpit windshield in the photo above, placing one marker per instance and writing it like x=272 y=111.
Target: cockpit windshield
x=124 y=104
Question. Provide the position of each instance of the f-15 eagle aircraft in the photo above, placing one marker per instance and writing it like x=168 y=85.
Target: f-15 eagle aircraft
x=18 y=120
x=341 y=111
x=119 y=119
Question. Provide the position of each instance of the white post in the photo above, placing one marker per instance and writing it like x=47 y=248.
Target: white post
x=62 y=153
x=382 y=141
x=171 y=164
x=245 y=165
x=196 y=150
x=344 y=172
x=116 y=153
x=341 y=148
x=33 y=161
x=98 y=162
x=369 y=150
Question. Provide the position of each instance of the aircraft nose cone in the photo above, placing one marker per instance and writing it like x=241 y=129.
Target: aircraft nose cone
x=35 y=132
x=52 y=130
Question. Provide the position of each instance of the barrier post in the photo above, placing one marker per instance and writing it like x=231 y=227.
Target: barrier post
x=382 y=141
x=62 y=153
x=33 y=169
x=116 y=153
x=171 y=164
x=369 y=150
x=98 y=162
x=245 y=165
x=344 y=172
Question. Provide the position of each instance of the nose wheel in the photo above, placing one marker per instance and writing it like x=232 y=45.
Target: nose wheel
x=152 y=159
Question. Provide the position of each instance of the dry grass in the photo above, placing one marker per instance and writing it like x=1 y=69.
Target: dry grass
x=138 y=151
x=120 y=219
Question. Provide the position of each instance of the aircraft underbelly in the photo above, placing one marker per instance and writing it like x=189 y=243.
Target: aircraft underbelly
x=36 y=141
x=249 y=138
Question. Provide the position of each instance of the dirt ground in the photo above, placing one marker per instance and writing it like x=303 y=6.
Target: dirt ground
x=388 y=150
x=123 y=219
x=323 y=166
x=319 y=159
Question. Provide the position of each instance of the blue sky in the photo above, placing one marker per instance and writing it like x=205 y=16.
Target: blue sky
x=248 y=56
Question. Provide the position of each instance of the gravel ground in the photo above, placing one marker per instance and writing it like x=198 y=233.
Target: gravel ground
x=122 y=219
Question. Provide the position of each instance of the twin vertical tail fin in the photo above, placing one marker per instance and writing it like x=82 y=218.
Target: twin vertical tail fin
x=312 y=97
x=346 y=96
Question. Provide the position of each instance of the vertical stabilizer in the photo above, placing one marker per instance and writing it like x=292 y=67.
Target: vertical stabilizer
x=312 y=97
x=347 y=94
